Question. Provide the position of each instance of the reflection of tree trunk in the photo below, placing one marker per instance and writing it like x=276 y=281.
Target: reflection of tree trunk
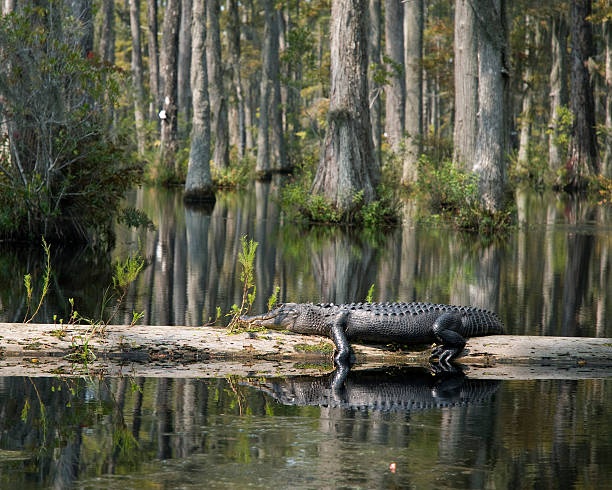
x=485 y=291
x=579 y=247
x=137 y=411
x=197 y=223
x=548 y=280
x=266 y=217
x=343 y=267
x=163 y=414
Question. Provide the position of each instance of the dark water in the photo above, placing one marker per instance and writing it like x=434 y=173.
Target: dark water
x=230 y=433
x=552 y=276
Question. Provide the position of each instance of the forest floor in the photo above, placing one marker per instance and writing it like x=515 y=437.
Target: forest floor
x=184 y=352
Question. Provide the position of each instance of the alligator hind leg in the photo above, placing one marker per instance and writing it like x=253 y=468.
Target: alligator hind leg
x=338 y=335
x=444 y=329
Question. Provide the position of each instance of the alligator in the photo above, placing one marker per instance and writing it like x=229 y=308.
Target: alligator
x=405 y=389
x=384 y=323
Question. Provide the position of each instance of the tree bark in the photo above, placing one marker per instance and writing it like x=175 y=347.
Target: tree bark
x=169 y=70
x=606 y=169
x=270 y=141
x=466 y=84
x=582 y=154
x=137 y=78
x=198 y=183
x=153 y=51
x=347 y=159
x=413 y=55
x=106 y=47
x=558 y=87
x=527 y=94
x=395 y=88
x=236 y=103
x=374 y=88
x=184 y=64
x=218 y=99
x=492 y=135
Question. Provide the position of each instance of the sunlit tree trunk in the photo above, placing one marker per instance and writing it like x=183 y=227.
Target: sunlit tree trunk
x=237 y=120
x=394 y=89
x=153 y=52
x=137 y=78
x=492 y=134
x=606 y=168
x=558 y=87
x=198 y=183
x=184 y=64
x=466 y=83
x=374 y=88
x=413 y=54
x=8 y=6
x=169 y=71
x=582 y=155
x=346 y=164
x=218 y=98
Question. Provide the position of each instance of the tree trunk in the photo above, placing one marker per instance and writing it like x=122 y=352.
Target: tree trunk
x=558 y=88
x=466 y=83
x=218 y=99
x=270 y=142
x=413 y=55
x=106 y=47
x=169 y=71
x=374 y=88
x=238 y=128
x=184 y=64
x=198 y=183
x=527 y=94
x=347 y=159
x=153 y=51
x=582 y=155
x=606 y=169
x=395 y=89
x=137 y=78
x=492 y=136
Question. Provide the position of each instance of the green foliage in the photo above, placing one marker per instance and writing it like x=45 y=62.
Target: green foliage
x=46 y=280
x=235 y=175
x=370 y=296
x=452 y=193
x=301 y=206
x=135 y=218
x=60 y=176
x=246 y=258
x=273 y=299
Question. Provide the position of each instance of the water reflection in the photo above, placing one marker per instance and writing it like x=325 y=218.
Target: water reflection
x=385 y=390
x=229 y=433
x=549 y=277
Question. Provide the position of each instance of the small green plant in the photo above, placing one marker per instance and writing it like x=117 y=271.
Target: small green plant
x=27 y=281
x=369 y=297
x=246 y=258
x=273 y=299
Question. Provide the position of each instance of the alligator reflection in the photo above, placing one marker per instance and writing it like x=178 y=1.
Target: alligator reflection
x=397 y=389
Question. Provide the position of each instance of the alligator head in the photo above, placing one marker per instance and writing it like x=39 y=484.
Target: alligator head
x=281 y=318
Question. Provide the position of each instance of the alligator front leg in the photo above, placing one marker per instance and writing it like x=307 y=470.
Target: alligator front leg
x=444 y=329
x=338 y=336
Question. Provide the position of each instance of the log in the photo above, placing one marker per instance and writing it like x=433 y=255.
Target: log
x=77 y=350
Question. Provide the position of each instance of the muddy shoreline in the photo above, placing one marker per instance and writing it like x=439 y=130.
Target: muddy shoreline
x=169 y=351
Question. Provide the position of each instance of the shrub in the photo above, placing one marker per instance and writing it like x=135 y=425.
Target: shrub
x=60 y=176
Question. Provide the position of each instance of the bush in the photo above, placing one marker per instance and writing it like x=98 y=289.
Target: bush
x=60 y=176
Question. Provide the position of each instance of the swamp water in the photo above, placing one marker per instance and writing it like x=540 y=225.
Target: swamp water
x=550 y=277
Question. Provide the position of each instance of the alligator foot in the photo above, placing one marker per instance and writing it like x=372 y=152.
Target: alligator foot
x=444 y=355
